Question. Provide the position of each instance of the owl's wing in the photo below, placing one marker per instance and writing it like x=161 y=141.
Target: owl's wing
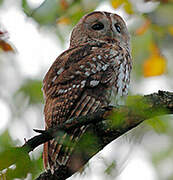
x=62 y=70
x=86 y=66
x=75 y=85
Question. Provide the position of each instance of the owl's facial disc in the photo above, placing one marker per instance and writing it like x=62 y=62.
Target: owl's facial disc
x=106 y=27
x=100 y=26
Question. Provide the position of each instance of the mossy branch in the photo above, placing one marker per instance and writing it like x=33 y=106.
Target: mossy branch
x=107 y=124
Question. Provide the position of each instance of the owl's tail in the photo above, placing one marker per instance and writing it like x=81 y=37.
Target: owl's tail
x=57 y=151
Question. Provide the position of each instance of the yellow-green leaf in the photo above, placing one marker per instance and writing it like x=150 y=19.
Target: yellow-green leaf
x=155 y=65
x=116 y=3
x=128 y=7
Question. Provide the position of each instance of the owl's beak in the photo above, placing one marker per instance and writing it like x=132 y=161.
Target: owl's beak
x=110 y=34
x=110 y=37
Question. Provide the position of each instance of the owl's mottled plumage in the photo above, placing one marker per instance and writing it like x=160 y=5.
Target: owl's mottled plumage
x=93 y=72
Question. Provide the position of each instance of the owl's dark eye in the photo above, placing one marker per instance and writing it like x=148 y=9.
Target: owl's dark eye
x=118 y=28
x=98 y=26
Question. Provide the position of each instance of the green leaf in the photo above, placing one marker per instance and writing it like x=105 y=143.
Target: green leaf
x=5 y=140
x=23 y=165
x=110 y=168
x=158 y=124
x=47 y=13
x=37 y=166
x=10 y=155
x=26 y=8
x=22 y=162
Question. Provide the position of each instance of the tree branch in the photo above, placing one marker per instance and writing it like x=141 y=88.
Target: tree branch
x=107 y=124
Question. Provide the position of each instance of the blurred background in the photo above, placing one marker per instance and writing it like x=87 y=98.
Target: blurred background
x=34 y=32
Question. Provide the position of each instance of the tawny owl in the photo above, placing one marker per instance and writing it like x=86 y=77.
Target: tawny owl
x=92 y=73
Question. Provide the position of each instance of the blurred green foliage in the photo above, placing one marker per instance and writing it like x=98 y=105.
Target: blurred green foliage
x=110 y=168
x=88 y=143
x=19 y=158
x=49 y=11
x=32 y=89
x=151 y=27
x=1 y=1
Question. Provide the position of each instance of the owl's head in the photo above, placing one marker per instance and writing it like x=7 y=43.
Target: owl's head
x=100 y=26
